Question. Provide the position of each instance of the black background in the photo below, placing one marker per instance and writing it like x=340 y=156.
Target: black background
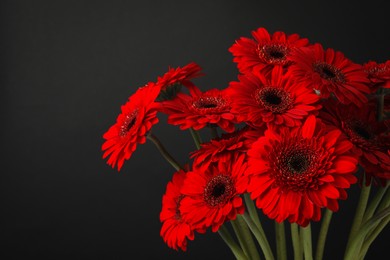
x=67 y=66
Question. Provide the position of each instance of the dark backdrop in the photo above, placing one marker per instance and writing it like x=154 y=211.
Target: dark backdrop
x=67 y=66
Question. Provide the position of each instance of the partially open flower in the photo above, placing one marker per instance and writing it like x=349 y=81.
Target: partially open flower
x=138 y=116
x=175 y=230
x=223 y=150
x=378 y=74
x=172 y=81
x=200 y=109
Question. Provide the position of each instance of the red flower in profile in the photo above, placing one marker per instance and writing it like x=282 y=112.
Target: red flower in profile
x=172 y=81
x=213 y=197
x=223 y=149
x=265 y=51
x=368 y=136
x=137 y=117
x=276 y=100
x=175 y=230
x=299 y=171
x=198 y=109
x=329 y=72
x=378 y=74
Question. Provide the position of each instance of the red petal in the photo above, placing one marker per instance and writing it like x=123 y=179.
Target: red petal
x=309 y=127
x=330 y=191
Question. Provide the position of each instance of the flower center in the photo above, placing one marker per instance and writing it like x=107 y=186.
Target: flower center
x=274 y=99
x=329 y=72
x=274 y=53
x=128 y=123
x=208 y=102
x=178 y=214
x=358 y=131
x=218 y=190
x=296 y=162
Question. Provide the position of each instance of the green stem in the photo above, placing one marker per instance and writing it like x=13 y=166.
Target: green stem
x=305 y=233
x=281 y=248
x=296 y=242
x=245 y=238
x=357 y=239
x=238 y=253
x=322 y=235
x=374 y=203
x=196 y=137
x=372 y=236
x=164 y=152
x=360 y=210
x=386 y=200
x=253 y=212
x=263 y=242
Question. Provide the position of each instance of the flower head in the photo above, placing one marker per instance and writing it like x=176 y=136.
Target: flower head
x=199 y=109
x=213 y=197
x=136 y=119
x=273 y=100
x=172 y=81
x=295 y=173
x=378 y=74
x=368 y=136
x=175 y=230
x=222 y=150
x=265 y=51
x=330 y=72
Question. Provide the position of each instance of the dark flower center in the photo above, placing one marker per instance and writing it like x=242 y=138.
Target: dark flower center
x=298 y=162
x=208 y=102
x=362 y=132
x=219 y=190
x=128 y=123
x=277 y=54
x=328 y=72
x=274 y=53
x=358 y=131
x=178 y=213
x=273 y=99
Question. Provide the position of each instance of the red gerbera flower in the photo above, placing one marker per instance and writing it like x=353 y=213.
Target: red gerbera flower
x=299 y=171
x=200 y=109
x=266 y=51
x=328 y=71
x=274 y=100
x=137 y=117
x=368 y=136
x=378 y=73
x=222 y=150
x=213 y=197
x=175 y=230
x=172 y=81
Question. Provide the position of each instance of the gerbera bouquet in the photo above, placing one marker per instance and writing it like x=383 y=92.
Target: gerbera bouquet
x=299 y=126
